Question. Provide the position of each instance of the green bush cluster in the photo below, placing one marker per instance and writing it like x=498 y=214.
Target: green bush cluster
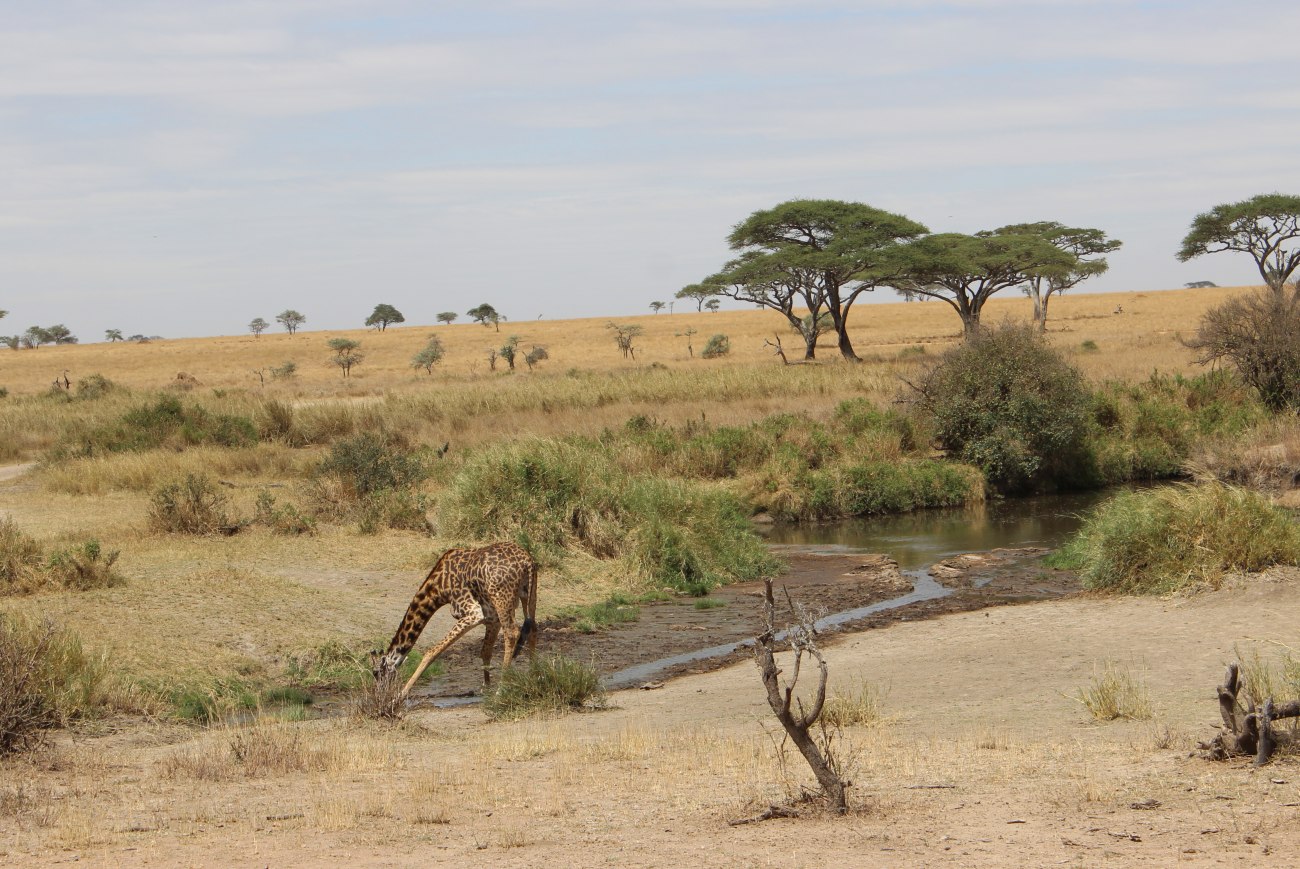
x=167 y=422
x=1008 y=403
x=374 y=479
x=1161 y=540
x=570 y=495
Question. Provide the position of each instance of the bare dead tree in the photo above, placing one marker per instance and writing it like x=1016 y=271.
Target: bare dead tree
x=777 y=349
x=789 y=709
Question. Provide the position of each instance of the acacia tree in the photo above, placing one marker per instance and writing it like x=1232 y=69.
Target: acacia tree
x=346 y=354
x=967 y=270
x=61 y=334
x=383 y=315
x=430 y=356
x=777 y=281
x=447 y=317
x=510 y=350
x=843 y=248
x=624 y=336
x=291 y=320
x=35 y=336
x=486 y=314
x=656 y=307
x=699 y=293
x=258 y=326
x=113 y=335
x=1085 y=245
x=1266 y=227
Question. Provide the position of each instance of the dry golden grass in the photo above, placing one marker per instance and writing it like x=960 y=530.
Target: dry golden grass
x=1149 y=321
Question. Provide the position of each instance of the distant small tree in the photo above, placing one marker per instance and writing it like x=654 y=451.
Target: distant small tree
x=113 y=335
x=382 y=316
x=536 y=356
x=687 y=333
x=713 y=305
x=698 y=293
x=430 y=356
x=447 y=317
x=35 y=336
x=346 y=354
x=486 y=314
x=258 y=326
x=13 y=342
x=60 y=334
x=718 y=346
x=291 y=320
x=509 y=350
x=492 y=359
x=624 y=336
x=656 y=307
x=286 y=371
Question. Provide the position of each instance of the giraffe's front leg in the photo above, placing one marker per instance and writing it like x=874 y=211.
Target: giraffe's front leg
x=457 y=631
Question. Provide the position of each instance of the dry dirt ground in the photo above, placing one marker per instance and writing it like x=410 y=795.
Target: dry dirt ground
x=983 y=759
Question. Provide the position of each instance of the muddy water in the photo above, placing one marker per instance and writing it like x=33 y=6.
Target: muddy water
x=917 y=540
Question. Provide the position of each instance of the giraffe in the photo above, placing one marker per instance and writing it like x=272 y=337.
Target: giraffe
x=482 y=585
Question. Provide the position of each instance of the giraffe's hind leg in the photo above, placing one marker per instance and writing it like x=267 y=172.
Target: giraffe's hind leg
x=489 y=641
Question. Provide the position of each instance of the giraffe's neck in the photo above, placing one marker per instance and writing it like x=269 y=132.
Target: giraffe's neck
x=422 y=608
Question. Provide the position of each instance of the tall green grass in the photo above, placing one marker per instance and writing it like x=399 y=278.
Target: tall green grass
x=1158 y=541
x=560 y=496
x=547 y=684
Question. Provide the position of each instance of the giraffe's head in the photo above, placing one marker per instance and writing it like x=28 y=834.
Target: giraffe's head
x=384 y=665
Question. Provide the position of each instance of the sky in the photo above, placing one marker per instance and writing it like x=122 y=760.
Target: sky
x=180 y=168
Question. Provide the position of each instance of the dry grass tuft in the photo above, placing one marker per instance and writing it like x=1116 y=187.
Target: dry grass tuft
x=1115 y=692
x=380 y=700
x=861 y=706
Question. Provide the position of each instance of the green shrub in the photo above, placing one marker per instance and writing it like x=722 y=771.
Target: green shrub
x=193 y=505
x=547 y=684
x=165 y=423
x=1089 y=346
x=1157 y=541
x=368 y=463
x=46 y=680
x=718 y=346
x=283 y=518
x=1008 y=403
x=83 y=567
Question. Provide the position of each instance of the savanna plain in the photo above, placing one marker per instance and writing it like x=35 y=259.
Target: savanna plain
x=214 y=532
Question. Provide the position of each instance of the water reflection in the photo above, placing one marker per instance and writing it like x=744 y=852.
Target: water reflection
x=919 y=539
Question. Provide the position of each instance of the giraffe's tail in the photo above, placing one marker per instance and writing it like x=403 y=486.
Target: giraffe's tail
x=528 y=627
x=528 y=597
